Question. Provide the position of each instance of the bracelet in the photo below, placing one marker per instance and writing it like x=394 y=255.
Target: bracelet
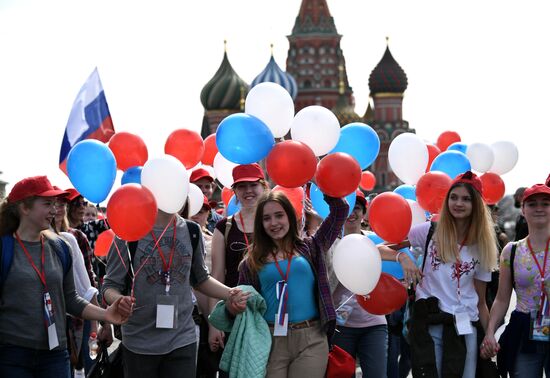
x=397 y=256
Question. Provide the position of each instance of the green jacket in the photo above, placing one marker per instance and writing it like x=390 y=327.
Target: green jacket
x=247 y=350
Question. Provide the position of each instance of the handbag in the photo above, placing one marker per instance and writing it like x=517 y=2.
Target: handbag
x=107 y=365
x=340 y=363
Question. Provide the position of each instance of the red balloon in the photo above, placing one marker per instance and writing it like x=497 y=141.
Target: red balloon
x=338 y=174
x=186 y=145
x=446 y=139
x=296 y=197
x=493 y=188
x=433 y=151
x=129 y=150
x=368 y=180
x=132 y=211
x=103 y=243
x=227 y=193
x=390 y=217
x=388 y=296
x=291 y=163
x=431 y=190
x=210 y=150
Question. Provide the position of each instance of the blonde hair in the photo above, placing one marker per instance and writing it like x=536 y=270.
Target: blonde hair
x=480 y=231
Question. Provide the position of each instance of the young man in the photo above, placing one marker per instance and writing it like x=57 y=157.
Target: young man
x=205 y=182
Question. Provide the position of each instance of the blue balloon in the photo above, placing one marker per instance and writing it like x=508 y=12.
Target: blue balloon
x=131 y=175
x=91 y=167
x=244 y=139
x=319 y=204
x=458 y=146
x=453 y=163
x=233 y=206
x=390 y=267
x=360 y=141
x=406 y=191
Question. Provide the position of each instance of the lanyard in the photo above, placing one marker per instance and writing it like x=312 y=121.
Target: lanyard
x=541 y=270
x=244 y=230
x=165 y=265
x=458 y=268
x=282 y=292
x=41 y=273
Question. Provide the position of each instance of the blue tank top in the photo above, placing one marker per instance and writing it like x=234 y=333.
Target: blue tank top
x=302 y=298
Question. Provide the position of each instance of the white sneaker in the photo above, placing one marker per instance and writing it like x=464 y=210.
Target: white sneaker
x=79 y=374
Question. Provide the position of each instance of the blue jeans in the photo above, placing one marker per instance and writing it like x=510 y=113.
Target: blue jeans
x=470 y=364
x=370 y=344
x=399 y=356
x=531 y=365
x=29 y=363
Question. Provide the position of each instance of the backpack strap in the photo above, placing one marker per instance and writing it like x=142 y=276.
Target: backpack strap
x=194 y=234
x=428 y=239
x=512 y=257
x=6 y=257
x=62 y=250
x=228 y=225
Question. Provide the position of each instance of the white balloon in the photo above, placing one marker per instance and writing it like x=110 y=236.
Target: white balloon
x=418 y=213
x=317 y=127
x=408 y=157
x=506 y=157
x=357 y=263
x=196 y=199
x=481 y=156
x=168 y=180
x=273 y=105
x=224 y=170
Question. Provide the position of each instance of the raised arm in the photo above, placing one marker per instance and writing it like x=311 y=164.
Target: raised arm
x=331 y=227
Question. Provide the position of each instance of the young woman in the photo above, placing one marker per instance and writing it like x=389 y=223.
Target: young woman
x=36 y=291
x=360 y=333
x=525 y=343
x=233 y=235
x=290 y=274
x=460 y=257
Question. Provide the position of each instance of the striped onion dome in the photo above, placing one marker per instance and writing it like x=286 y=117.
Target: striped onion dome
x=225 y=90
x=388 y=76
x=274 y=74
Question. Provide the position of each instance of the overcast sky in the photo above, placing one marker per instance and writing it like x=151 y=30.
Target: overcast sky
x=480 y=68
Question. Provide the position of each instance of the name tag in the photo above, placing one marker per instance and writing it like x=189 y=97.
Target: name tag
x=49 y=319
x=540 y=327
x=167 y=311
x=53 y=342
x=280 y=329
x=463 y=324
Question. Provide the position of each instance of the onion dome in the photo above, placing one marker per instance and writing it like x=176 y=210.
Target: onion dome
x=343 y=110
x=368 y=117
x=274 y=74
x=224 y=90
x=388 y=76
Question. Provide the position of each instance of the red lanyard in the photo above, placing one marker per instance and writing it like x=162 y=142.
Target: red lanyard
x=244 y=230
x=284 y=288
x=41 y=273
x=541 y=270
x=458 y=268
x=161 y=254
x=287 y=274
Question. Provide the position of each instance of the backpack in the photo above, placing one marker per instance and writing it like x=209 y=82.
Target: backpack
x=6 y=256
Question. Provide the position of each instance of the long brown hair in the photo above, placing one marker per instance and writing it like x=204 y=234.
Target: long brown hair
x=263 y=245
x=480 y=230
x=9 y=214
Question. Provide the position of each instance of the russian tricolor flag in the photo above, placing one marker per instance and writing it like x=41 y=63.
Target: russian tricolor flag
x=89 y=118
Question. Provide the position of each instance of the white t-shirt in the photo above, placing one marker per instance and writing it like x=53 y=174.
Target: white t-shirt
x=441 y=281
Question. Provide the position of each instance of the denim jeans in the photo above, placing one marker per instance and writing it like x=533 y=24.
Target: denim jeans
x=22 y=362
x=370 y=344
x=531 y=365
x=178 y=363
x=470 y=364
x=399 y=356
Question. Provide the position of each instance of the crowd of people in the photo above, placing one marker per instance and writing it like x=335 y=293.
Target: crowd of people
x=255 y=294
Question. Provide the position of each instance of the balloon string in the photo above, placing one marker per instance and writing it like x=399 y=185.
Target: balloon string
x=346 y=301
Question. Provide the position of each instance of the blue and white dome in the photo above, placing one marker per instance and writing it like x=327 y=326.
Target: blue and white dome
x=274 y=74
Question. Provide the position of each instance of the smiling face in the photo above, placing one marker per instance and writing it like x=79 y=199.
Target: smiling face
x=206 y=186
x=460 y=203
x=354 y=219
x=275 y=220
x=40 y=214
x=248 y=193
x=536 y=210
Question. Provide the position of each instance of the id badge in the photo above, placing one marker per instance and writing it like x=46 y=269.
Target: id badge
x=540 y=327
x=167 y=311
x=463 y=324
x=280 y=330
x=53 y=341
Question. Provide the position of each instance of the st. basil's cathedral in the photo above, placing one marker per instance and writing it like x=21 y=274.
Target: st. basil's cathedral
x=316 y=75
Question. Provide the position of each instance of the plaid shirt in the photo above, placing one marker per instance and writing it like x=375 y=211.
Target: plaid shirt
x=314 y=250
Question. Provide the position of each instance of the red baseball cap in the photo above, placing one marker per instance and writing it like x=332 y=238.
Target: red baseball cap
x=247 y=173
x=72 y=194
x=200 y=173
x=37 y=186
x=535 y=189
x=548 y=180
x=471 y=178
x=360 y=197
